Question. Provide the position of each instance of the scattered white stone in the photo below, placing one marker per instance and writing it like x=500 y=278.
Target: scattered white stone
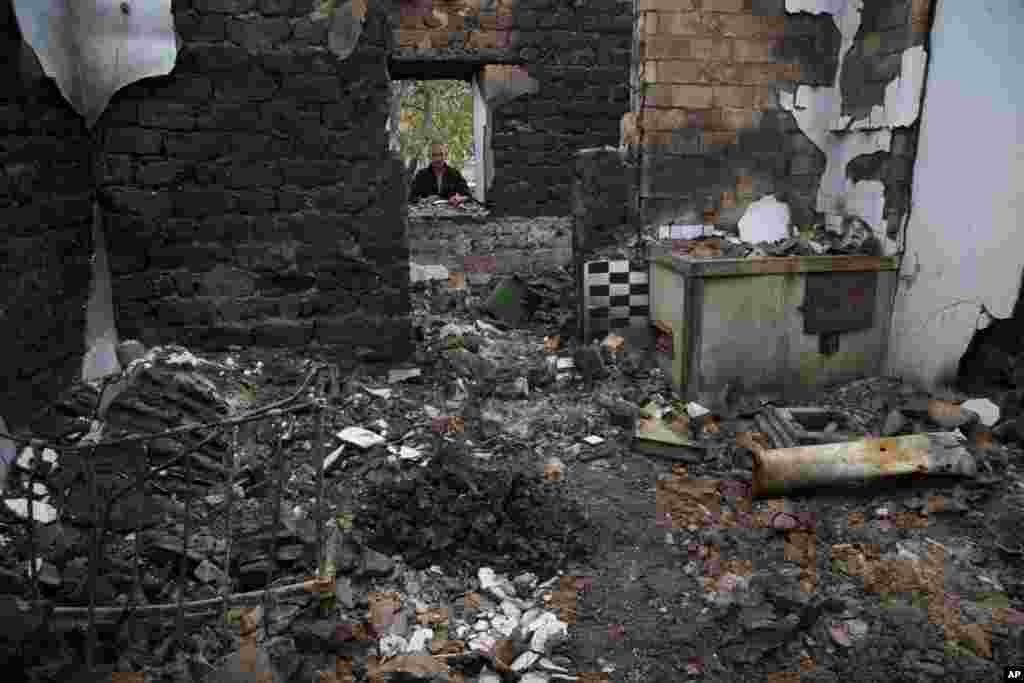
x=421 y=273
x=42 y=512
x=28 y=455
x=511 y=610
x=593 y=440
x=548 y=630
x=461 y=631
x=504 y=625
x=391 y=645
x=529 y=617
x=405 y=452
x=358 y=436
x=525 y=661
x=546 y=663
x=481 y=625
x=696 y=410
x=535 y=677
x=420 y=640
x=396 y=375
x=488 y=676
x=985 y=409
x=766 y=220
x=379 y=393
x=333 y=457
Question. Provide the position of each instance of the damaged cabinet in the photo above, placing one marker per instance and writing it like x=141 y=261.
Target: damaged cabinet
x=781 y=325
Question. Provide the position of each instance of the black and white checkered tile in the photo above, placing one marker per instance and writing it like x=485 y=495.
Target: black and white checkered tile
x=615 y=296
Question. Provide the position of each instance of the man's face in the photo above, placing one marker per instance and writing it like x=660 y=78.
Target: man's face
x=437 y=158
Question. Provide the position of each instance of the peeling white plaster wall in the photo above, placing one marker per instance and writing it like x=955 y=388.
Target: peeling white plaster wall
x=818 y=112
x=965 y=237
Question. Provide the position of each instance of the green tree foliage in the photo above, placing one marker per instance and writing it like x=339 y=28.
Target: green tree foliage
x=436 y=111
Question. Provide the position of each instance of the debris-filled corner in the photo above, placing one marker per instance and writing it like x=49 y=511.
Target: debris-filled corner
x=510 y=504
x=279 y=403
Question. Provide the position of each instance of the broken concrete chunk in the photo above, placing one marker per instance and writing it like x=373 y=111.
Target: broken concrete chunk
x=593 y=440
x=525 y=661
x=696 y=410
x=396 y=375
x=766 y=220
x=420 y=273
x=363 y=438
x=420 y=640
x=548 y=631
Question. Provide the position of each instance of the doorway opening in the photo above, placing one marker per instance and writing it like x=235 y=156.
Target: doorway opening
x=449 y=111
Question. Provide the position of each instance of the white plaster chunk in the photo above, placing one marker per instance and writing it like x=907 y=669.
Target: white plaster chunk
x=421 y=273
x=420 y=640
x=766 y=220
x=866 y=200
x=525 y=661
x=392 y=645
x=903 y=93
x=986 y=410
x=816 y=6
x=363 y=438
x=547 y=631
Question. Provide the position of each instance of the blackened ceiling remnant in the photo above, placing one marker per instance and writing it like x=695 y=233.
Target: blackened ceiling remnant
x=813 y=40
x=876 y=55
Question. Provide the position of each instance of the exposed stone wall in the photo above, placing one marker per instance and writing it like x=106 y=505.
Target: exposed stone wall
x=249 y=196
x=576 y=58
x=754 y=98
x=45 y=213
x=499 y=246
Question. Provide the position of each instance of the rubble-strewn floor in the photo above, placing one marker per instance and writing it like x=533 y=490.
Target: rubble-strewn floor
x=482 y=538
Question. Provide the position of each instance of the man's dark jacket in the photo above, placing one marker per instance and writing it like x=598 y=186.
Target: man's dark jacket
x=425 y=184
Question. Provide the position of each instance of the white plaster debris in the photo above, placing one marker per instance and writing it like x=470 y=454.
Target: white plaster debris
x=405 y=452
x=333 y=457
x=593 y=440
x=392 y=645
x=403 y=374
x=986 y=410
x=379 y=393
x=766 y=220
x=420 y=639
x=547 y=631
x=525 y=661
x=422 y=273
x=696 y=410
x=42 y=512
x=358 y=436
x=682 y=231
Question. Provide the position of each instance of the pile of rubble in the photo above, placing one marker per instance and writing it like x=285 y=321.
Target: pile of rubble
x=433 y=207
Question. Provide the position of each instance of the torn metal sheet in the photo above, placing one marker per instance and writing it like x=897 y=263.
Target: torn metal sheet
x=782 y=471
x=93 y=49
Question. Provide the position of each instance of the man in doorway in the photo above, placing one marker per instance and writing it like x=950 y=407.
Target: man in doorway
x=439 y=179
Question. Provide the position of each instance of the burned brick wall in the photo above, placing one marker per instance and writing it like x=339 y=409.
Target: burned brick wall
x=46 y=182
x=750 y=98
x=575 y=57
x=249 y=196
